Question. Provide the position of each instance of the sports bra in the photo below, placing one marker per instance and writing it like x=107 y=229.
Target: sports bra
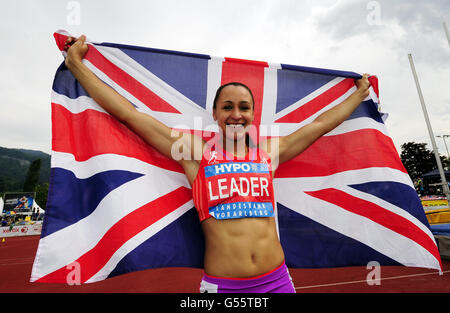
x=228 y=187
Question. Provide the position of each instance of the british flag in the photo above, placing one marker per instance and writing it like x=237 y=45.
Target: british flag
x=117 y=205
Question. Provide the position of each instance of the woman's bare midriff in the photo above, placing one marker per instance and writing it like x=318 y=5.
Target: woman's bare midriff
x=241 y=248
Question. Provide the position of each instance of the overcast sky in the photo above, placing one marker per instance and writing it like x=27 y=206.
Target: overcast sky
x=352 y=35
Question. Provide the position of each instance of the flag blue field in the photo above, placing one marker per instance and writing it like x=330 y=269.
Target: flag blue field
x=117 y=205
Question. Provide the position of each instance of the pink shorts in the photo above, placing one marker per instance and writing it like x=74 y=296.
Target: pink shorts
x=275 y=281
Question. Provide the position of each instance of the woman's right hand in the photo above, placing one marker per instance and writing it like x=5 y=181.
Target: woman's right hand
x=76 y=49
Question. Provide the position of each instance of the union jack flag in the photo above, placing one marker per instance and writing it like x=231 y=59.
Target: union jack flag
x=117 y=205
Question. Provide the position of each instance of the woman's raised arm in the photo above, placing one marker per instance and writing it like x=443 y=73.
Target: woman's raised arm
x=290 y=146
x=155 y=133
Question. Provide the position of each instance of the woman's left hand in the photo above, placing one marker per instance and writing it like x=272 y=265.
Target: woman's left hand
x=363 y=85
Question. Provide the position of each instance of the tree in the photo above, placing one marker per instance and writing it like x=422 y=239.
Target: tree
x=32 y=176
x=446 y=163
x=41 y=195
x=417 y=159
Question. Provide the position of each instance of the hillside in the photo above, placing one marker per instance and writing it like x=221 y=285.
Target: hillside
x=14 y=165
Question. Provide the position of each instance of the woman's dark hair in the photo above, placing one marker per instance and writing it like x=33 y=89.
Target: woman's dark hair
x=236 y=84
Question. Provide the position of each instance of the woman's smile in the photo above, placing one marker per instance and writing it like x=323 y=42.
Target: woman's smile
x=234 y=112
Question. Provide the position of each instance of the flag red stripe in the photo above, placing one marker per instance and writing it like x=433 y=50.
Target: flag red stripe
x=125 y=229
x=127 y=82
x=90 y=133
x=250 y=73
x=60 y=40
x=354 y=150
x=379 y=215
x=318 y=103
x=374 y=83
x=247 y=62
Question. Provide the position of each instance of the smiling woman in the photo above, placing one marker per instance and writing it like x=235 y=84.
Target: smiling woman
x=231 y=182
x=233 y=110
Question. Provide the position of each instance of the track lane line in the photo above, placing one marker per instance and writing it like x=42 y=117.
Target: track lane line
x=365 y=281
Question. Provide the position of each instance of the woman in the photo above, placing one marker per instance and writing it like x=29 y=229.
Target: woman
x=232 y=187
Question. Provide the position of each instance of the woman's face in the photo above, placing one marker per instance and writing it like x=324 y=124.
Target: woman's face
x=234 y=112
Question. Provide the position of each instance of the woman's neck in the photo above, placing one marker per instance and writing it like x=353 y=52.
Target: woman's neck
x=237 y=148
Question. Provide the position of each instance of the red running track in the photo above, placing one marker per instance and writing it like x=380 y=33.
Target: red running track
x=17 y=256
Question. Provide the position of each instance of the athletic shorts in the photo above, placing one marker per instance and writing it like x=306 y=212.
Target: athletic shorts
x=275 y=281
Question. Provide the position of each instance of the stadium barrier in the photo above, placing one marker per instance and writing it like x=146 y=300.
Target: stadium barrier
x=21 y=230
